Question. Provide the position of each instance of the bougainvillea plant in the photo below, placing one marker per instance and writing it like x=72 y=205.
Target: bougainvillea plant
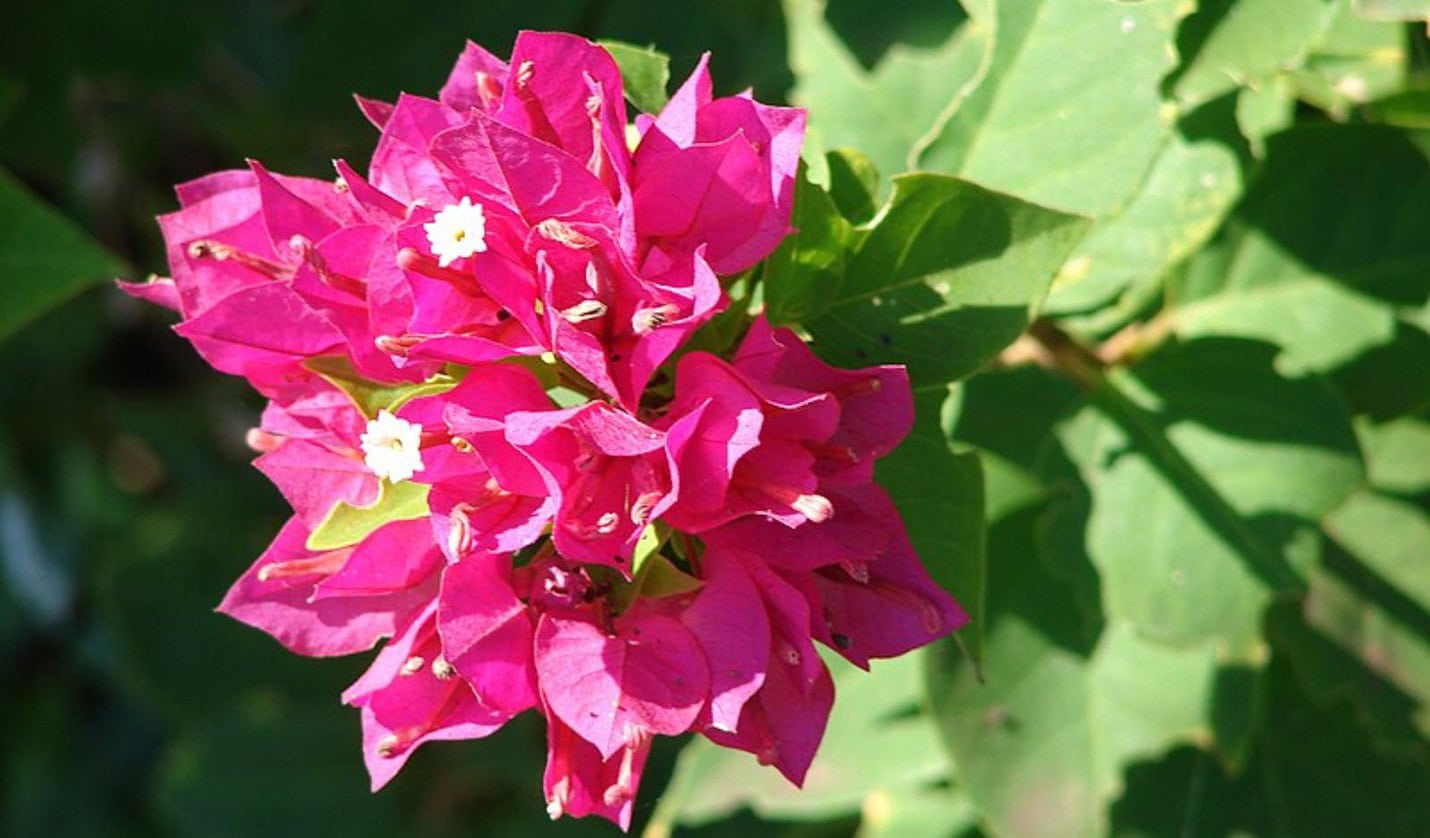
x=505 y=454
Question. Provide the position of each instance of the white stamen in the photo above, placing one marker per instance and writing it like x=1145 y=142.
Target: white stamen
x=413 y=665
x=391 y=447
x=563 y=233
x=816 y=508
x=584 y=310
x=459 y=536
x=649 y=319
x=458 y=231
x=644 y=505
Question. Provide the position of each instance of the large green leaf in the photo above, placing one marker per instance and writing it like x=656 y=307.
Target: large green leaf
x=1319 y=325
x=1314 y=773
x=1346 y=203
x=877 y=744
x=884 y=113
x=804 y=274
x=1195 y=181
x=44 y=257
x=939 y=492
x=943 y=279
x=1069 y=113
x=1207 y=471
x=1041 y=744
x=1319 y=775
x=1230 y=43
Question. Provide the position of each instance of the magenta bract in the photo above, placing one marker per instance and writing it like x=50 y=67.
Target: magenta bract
x=496 y=465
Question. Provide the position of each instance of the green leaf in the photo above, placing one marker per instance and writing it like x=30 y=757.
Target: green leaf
x=44 y=257
x=1319 y=775
x=663 y=578
x=1412 y=10
x=645 y=73
x=1194 y=182
x=939 y=493
x=853 y=184
x=884 y=113
x=1389 y=380
x=1318 y=324
x=711 y=782
x=650 y=541
x=1391 y=539
x=1404 y=109
x=929 y=813
x=1353 y=62
x=347 y=525
x=1207 y=470
x=804 y=274
x=1373 y=237
x=1264 y=110
x=1345 y=640
x=1042 y=742
x=1315 y=773
x=370 y=396
x=943 y=279
x=1232 y=43
x=1397 y=453
x=1069 y=112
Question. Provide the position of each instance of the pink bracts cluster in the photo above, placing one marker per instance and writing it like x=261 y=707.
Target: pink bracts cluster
x=493 y=460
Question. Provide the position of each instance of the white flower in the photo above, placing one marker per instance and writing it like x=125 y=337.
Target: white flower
x=458 y=231
x=391 y=447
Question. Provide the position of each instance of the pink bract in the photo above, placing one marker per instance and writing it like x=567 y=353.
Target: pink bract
x=504 y=460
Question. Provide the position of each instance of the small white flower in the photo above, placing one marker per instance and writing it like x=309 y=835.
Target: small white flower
x=457 y=232
x=391 y=447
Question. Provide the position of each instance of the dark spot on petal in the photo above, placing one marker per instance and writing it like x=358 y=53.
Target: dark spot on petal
x=842 y=641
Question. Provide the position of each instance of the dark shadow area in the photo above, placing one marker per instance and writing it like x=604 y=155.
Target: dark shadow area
x=1192 y=36
x=1329 y=673
x=1389 y=380
x=1230 y=385
x=1011 y=412
x=1019 y=584
x=1061 y=538
x=1369 y=235
x=1374 y=588
x=870 y=30
x=1185 y=794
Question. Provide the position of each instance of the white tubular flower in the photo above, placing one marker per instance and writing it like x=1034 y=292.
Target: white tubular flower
x=391 y=447
x=458 y=231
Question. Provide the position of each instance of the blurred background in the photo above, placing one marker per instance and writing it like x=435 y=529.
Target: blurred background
x=127 y=505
